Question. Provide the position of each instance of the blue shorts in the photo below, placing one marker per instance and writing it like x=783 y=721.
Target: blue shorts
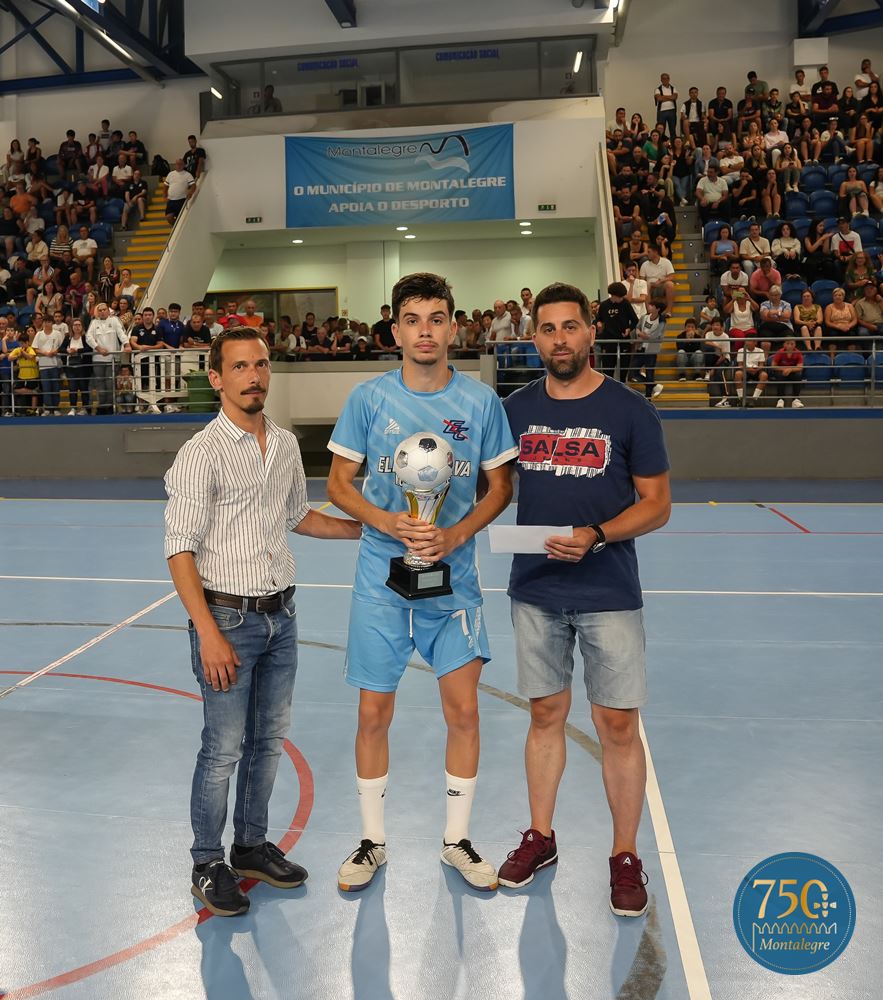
x=611 y=644
x=383 y=637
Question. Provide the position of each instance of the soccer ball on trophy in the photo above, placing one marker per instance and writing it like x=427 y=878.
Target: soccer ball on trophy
x=424 y=462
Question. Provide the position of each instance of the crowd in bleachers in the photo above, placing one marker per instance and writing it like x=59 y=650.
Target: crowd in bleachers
x=790 y=199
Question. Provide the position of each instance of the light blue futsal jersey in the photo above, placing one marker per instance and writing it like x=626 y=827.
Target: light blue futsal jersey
x=377 y=417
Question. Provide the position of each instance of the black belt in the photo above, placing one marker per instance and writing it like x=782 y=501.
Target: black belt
x=263 y=605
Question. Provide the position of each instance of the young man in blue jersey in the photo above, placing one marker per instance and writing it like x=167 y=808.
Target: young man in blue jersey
x=591 y=454
x=425 y=394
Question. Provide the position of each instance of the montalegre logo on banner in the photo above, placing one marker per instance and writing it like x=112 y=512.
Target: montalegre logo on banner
x=431 y=177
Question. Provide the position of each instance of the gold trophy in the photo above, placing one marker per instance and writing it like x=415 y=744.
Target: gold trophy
x=423 y=465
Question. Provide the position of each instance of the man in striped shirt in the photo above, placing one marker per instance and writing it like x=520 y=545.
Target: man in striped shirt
x=235 y=489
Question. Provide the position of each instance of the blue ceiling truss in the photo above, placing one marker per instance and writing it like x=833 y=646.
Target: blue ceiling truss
x=818 y=18
x=155 y=53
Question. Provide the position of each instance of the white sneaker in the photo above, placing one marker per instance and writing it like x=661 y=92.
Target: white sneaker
x=723 y=402
x=657 y=389
x=57 y=413
x=780 y=405
x=171 y=408
x=361 y=866
x=153 y=408
x=71 y=412
x=45 y=413
x=796 y=404
x=479 y=873
x=706 y=377
x=83 y=412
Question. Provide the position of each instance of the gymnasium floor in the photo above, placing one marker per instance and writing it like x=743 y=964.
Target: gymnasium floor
x=764 y=731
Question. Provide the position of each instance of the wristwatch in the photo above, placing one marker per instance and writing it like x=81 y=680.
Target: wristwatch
x=601 y=542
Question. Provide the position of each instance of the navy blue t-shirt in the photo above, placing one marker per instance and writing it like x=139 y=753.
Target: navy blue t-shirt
x=575 y=466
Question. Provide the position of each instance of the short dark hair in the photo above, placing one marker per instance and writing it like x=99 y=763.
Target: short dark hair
x=197 y=304
x=617 y=288
x=421 y=285
x=561 y=292
x=174 y=305
x=147 y=309
x=189 y=137
x=235 y=333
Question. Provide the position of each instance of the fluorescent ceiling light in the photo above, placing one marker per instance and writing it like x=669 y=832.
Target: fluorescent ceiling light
x=401 y=229
x=578 y=61
x=527 y=224
x=410 y=236
x=297 y=241
x=217 y=93
x=526 y=232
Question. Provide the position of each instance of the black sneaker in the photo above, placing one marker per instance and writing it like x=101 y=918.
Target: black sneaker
x=215 y=885
x=267 y=864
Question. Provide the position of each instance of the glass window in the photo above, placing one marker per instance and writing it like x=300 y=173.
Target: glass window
x=566 y=67
x=329 y=83
x=469 y=72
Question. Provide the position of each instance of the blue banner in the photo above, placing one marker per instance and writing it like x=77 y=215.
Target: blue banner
x=449 y=176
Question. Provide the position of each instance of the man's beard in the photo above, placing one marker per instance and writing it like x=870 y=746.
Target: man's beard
x=253 y=404
x=567 y=369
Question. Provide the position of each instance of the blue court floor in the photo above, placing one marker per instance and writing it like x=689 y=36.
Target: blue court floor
x=763 y=729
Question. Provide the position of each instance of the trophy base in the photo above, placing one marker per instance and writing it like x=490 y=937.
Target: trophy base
x=415 y=584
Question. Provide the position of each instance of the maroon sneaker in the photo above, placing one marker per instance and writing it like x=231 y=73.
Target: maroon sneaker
x=533 y=853
x=628 y=897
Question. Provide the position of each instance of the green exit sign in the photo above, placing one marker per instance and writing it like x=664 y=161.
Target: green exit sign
x=254 y=218
x=551 y=207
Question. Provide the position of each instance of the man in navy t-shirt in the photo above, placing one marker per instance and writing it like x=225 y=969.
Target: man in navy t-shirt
x=591 y=455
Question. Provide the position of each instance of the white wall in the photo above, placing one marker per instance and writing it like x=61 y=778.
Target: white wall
x=162 y=116
x=479 y=270
x=722 y=44
x=284 y=26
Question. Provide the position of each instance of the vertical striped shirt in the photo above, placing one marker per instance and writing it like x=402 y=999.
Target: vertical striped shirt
x=231 y=507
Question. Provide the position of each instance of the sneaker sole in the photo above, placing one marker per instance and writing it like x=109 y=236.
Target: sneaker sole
x=262 y=877
x=478 y=888
x=352 y=887
x=629 y=913
x=217 y=911
x=527 y=881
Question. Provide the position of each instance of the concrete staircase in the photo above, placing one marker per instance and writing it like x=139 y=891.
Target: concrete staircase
x=147 y=243
x=691 y=277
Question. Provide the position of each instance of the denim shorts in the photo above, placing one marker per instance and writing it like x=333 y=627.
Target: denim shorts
x=383 y=637
x=612 y=646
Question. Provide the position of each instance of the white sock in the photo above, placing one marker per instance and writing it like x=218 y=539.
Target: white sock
x=757 y=392
x=461 y=792
x=371 y=795
x=741 y=393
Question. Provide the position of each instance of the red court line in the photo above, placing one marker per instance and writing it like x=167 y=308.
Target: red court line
x=790 y=520
x=291 y=837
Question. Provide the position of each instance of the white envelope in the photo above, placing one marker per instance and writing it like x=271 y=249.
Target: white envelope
x=524 y=537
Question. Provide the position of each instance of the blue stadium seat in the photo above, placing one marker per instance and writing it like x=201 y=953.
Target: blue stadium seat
x=801 y=226
x=866 y=228
x=874 y=249
x=50 y=233
x=792 y=290
x=770 y=228
x=875 y=368
x=52 y=165
x=102 y=233
x=816 y=367
x=867 y=172
x=740 y=230
x=112 y=210
x=836 y=176
x=711 y=230
x=822 y=203
x=812 y=178
x=881 y=230
x=850 y=367
x=822 y=291
x=7 y=311
x=25 y=315
x=830 y=222
x=797 y=204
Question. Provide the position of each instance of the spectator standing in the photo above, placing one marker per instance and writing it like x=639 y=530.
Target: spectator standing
x=788 y=373
x=47 y=344
x=78 y=368
x=863 y=79
x=180 y=186
x=637 y=289
x=26 y=368
x=171 y=330
x=647 y=341
x=8 y=343
x=690 y=357
x=135 y=197
x=615 y=322
x=125 y=390
x=194 y=159
x=666 y=98
x=106 y=336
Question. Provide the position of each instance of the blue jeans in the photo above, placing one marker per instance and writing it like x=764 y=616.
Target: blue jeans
x=245 y=725
x=49 y=383
x=682 y=187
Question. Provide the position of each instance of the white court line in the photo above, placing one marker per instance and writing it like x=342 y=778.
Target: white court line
x=685 y=932
x=86 y=645
x=495 y=590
